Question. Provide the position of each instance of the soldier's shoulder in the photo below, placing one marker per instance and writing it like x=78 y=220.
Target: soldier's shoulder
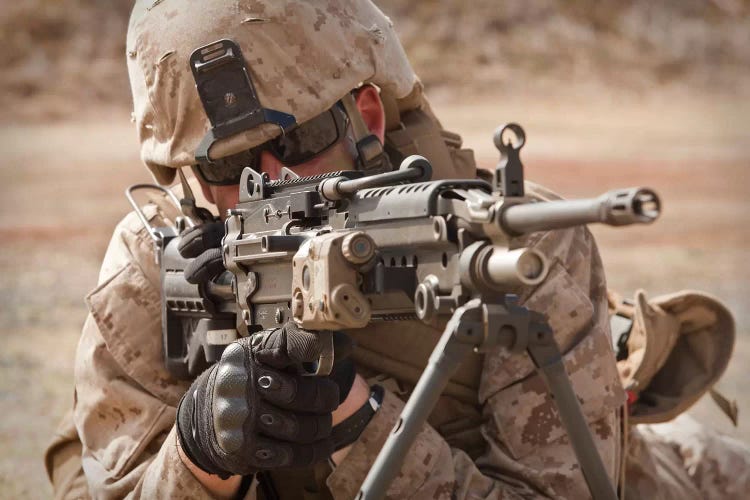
x=132 y=224
x=133 y=244
x=572 y=254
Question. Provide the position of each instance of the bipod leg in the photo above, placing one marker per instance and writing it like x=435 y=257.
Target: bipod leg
x=461 y=334
x=481 y=325
x=546 y=355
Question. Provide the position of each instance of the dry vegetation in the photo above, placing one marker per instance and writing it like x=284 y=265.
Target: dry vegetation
x=611 y=93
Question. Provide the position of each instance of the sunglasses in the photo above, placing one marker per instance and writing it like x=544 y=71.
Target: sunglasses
x=297 y=146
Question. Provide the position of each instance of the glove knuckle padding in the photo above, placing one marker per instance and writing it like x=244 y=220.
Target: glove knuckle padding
x=277 y=387
x=249 y=415
x=296 y=427
x=270 y=454
x=293 y=392
x=230 y=407
x=276 y=423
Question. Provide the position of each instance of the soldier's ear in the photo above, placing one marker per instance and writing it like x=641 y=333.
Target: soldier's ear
x=371 y=108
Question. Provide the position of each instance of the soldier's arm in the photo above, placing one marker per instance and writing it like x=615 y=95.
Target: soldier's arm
x=127 y=433
x=125 y=399
x=527 y=450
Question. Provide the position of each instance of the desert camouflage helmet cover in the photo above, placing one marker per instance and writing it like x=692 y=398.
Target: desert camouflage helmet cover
x=301 y=55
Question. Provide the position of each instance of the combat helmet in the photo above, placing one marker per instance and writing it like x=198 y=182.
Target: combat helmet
x=302 y=57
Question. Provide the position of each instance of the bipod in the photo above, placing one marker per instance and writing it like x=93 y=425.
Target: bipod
x=479 y=325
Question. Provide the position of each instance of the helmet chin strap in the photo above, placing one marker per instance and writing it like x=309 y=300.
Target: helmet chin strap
x=195 y=214
x=371 y=157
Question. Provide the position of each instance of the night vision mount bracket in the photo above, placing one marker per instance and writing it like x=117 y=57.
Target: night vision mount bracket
x=228 y=95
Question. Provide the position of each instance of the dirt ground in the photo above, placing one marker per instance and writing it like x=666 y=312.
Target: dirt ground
x=61 y=191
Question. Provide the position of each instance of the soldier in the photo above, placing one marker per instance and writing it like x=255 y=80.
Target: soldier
x=338 y=69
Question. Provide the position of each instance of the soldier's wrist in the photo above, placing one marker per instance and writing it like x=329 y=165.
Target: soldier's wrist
x=218 y=487
x=357 y=396
x=348 y=431
x=188 y=432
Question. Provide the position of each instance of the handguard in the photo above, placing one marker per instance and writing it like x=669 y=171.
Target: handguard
x=340 y=250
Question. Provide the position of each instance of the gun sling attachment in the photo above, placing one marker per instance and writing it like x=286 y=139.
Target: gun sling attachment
x=340 y=250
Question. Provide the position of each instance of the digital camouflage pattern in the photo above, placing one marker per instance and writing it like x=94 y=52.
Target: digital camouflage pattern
x=494 y=434
x=678 y=348
x=683 y=460
x=340 y=43
x=125 y=407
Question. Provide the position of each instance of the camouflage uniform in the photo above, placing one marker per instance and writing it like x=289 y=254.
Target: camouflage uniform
x=494 y=433
x=507 y=443
x=683 y=459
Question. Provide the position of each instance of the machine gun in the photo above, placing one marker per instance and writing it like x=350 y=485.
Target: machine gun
x=340 y=250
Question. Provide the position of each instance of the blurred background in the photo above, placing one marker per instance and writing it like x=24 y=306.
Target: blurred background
x=611 y=94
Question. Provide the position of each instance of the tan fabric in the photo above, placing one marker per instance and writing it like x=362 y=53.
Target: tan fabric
x=683 y=460
x=62 y=459
x=126 y=400
x=652 y=338
x=494 y=433
x=126 y=406
x=289 y=49
x=507 y=444
x=419 y=133
x=678 y=348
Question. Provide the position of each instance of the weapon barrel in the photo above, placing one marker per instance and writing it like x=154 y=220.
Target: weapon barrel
x=619 y=207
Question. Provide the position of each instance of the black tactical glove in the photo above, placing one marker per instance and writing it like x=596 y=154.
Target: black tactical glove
x=202 y=243
x=251 y=411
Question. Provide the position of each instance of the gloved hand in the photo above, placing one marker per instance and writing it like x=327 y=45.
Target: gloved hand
x=202 y=243
x=251 y=411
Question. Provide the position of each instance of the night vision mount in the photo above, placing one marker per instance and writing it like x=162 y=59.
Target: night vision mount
x=228 y=95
